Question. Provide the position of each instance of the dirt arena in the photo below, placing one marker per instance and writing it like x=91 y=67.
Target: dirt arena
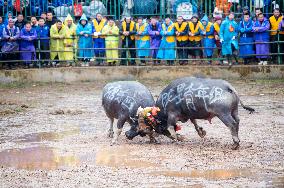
x=55 y=135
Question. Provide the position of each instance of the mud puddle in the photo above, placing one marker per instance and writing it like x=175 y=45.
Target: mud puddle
x=46 y=136
x=36 y=158
x=216 y=174
x=122 y=157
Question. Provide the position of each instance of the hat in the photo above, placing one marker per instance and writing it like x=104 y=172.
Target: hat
x=218 y=17
x=246 y=8
x=195 y=16
x=11 y=20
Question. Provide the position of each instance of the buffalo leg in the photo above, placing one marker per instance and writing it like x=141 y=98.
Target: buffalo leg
x=198 y=129
x=230 y=122
x=120 y=124
x=152 y=137
x=236 y=118
x=171 y=126
x=110 y=131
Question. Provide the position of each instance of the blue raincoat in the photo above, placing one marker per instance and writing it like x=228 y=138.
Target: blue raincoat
x=208 y=40
x=168 y=43
x=261 y=34
x=228 y=31
x=246 y=36
x=83 y=41
x=27 y=47
x=142 y=41
x=155 y=39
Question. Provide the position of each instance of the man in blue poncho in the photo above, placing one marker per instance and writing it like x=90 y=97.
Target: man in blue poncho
x=208 y=38
x=228 y=38
x=85 y=41
x=245 y=27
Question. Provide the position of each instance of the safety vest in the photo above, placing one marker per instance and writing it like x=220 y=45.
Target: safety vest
x=216 y=27
x=132 y=24
x=142 y=29
x=181 y=29
x=195 y=30
x=275 y=24
x=99 y=27
x=169 y=38
x=207 y=29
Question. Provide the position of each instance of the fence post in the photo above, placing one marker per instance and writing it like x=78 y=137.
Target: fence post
x=278 y=49
x=126 y=51
x=39 y=56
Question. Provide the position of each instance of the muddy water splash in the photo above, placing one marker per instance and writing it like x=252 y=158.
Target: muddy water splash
x=35 y=158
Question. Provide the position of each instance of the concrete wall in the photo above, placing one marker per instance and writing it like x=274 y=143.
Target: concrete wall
x=137 y=73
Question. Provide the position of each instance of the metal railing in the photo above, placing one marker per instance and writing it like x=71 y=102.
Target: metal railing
x=76 y=59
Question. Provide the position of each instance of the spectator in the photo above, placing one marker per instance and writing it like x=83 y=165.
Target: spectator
x=84 y=30
x=43 y=35
x=217 y=24
x=112 y=41
x=228 y=38
x=10 y=48
x=257 y=12
x=274 y=23
x=27 y=48
x=2 y=26
x=50 y=20
x=142 y=40
x=167 y=46
x=9 y=15
x=208 y=39
x=6 y=6
x=128 y=30
x=281 y=36
x=154 y=29
x=99 y=41
x=181 y=32
x=246 y=36
x=20 y=23
x=43 y=16
x=261 y=37
x=70 y=41
x=195 y=35
x=34 y=22
x=57 y=35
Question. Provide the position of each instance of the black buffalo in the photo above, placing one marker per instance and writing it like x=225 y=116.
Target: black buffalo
x=120 y=101
x=193 y=98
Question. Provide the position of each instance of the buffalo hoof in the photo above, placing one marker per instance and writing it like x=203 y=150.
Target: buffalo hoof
x=181 y=138
x=235 y=146
x=154 y=141
x=201 y=133
x=110 y=134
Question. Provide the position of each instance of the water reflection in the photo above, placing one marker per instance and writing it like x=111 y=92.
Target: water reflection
x=35 y=158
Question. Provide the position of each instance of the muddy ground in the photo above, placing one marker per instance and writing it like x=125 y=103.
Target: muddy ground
x=54 y=135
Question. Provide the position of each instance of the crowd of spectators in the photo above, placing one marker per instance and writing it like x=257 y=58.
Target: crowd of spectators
x=47 y=41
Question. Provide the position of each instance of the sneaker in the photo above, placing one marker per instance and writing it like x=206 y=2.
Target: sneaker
x=264 y=63
x=225 y=62
x=87 y=64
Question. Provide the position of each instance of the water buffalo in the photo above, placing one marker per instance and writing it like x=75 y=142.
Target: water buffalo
x=193 y=98
x=121 y=100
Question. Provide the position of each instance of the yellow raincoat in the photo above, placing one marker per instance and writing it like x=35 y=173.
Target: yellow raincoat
x=57 y=44
x=111 y=42
x=71 y=41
